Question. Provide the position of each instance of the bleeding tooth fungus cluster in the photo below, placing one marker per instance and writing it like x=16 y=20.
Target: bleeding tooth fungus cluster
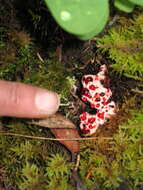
x=96 y=91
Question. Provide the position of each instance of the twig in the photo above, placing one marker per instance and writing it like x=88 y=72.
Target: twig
x=138 y=91
x=54 y=139
x=77 y=163
x=40 y=58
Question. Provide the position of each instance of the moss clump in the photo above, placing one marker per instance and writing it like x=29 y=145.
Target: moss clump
x=30 y=164
x=105 y=165
x=124 y=44
x=53 y=76
x=20 y=61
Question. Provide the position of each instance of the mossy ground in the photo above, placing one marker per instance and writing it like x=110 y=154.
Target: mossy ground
x=52 y=59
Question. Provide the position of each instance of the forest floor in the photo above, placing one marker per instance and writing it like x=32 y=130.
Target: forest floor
x=78 y=57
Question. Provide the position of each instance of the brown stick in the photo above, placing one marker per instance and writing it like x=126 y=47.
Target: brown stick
x=54 y=139
x=138 y=91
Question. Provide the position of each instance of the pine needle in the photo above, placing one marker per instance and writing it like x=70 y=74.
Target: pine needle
x=54 y=139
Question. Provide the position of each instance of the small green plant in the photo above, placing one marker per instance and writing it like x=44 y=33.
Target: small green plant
x=56 y=170
x=57 y=166
x=124 y=46
x=31 y=177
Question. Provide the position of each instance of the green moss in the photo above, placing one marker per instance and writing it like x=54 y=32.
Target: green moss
x=56 y=169
x=106 y=164
x=124 y=44
x=53 y=76
x=20 y=62
x=30 y=164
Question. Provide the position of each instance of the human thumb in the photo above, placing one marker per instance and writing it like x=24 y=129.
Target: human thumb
x=22 y=100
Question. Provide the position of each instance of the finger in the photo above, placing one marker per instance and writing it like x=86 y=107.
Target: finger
x=21 y=100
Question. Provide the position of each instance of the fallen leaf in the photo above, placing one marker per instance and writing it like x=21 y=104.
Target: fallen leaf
x=61 y=127
x=54 y=121
x=73 y=146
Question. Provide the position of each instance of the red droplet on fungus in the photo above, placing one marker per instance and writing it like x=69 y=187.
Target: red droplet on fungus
x=84 y=99
x=91 y=120
x=97 y=105
x=101 y=115
x=91 y=126
x=92 y=87
x=104 y=103
x=87 y=80
x=92 y=105
x=96 y=96
x=96 y=78
x=83 y=116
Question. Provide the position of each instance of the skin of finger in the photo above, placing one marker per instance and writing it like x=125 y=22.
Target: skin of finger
x=18 y=100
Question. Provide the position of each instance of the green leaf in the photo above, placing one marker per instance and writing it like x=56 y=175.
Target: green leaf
x=83 y=18
x=137 y=2
x=124 y=5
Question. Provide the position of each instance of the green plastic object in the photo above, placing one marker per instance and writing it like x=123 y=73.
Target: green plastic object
x=137 y=2
x=124 y=5
x=83 y=18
